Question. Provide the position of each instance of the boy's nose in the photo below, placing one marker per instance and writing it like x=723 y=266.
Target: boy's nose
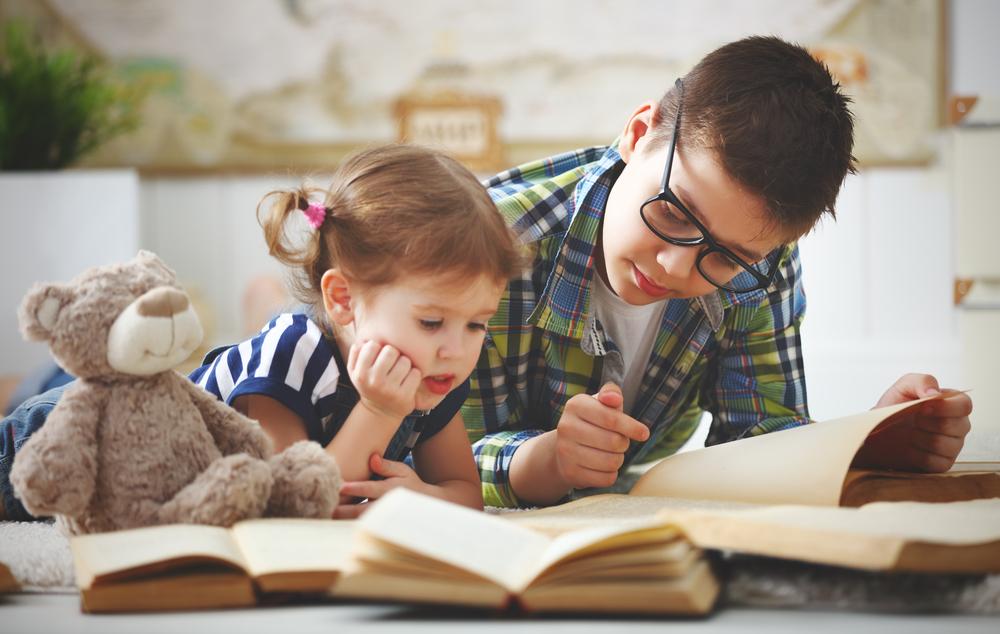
x=676 y=261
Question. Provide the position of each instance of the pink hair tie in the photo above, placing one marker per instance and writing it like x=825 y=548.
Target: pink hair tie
x=315 y=213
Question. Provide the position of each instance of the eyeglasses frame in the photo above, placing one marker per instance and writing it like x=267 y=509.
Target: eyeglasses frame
x=667 y=195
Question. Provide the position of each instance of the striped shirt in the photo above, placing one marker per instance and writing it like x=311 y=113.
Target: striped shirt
x=293 y=362
x=736 y=355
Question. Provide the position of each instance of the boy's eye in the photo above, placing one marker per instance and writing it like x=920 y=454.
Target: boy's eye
x=431 y=324
x=668 y=215
x=477 y=327
x=675 y=216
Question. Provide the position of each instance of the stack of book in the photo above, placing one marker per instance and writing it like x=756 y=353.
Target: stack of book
x=789 y=495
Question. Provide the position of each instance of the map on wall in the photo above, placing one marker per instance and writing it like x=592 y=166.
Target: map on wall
x=298 y=82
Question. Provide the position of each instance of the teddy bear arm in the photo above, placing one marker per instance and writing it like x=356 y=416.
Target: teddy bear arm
x=56 y=470
x=233 y=432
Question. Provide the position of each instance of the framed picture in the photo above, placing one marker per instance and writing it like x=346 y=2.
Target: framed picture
x=333 y=75
x=463 y=126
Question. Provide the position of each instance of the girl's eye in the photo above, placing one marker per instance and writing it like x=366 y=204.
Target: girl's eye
x=431 y=324
x=477 y=327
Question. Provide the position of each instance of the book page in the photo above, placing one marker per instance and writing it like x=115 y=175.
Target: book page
x=803 y=465
x=871 y=536
x=294 y=545
x=588 y=541
x=482 y=544
x=607 y=509
x=104 y=554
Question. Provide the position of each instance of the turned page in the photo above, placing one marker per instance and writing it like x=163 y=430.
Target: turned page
x=803 y=465
x=874 y=536
x=469 y=540
x=294 y=545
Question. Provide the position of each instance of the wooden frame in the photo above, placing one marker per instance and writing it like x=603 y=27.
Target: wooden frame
x=464 y=126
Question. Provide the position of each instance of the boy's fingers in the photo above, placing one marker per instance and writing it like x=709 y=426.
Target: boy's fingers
x=611 y=396
x=956 y=405
x=937 y=444
x=956 y=427
x=597 y=437
x=908 y=388
x=600 y=460
x=622 y=424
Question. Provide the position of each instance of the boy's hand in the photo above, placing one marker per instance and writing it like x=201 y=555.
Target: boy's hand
x=592 y=437
x=929 y=437
x=385 y=379
x=396 y=474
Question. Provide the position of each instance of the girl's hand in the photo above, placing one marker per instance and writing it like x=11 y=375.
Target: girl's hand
x=385 y=379
x=928 y=438
x=396 y=474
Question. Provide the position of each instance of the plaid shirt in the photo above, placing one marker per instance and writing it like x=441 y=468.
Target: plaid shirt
x=736 y=355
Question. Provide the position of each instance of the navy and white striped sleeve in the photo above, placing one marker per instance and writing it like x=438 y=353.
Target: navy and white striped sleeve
x=289 y=361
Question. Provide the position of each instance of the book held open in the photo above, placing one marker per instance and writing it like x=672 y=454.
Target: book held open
x=782 y=494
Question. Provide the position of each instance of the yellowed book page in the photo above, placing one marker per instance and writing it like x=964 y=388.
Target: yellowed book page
x=871 y=536
x=608 y=509
x=455 y=535
x=294 y=545
x=692 y=593
x=671 y=559
x=804 y=465
x=102 y=554
x=975 y=466
x=373 y=554
x=361 y=582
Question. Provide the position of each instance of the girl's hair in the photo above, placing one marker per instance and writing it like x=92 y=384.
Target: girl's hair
x=391 y=210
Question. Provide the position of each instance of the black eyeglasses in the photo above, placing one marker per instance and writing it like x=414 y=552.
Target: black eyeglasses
x=668 y=218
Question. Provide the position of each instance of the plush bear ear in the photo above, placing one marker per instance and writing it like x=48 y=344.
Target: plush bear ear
x=148 y=258
x=40 y=310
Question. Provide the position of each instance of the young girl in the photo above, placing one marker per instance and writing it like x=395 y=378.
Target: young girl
x=404 y=264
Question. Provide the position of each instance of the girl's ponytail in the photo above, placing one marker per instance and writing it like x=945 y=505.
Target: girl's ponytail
x=306 y=256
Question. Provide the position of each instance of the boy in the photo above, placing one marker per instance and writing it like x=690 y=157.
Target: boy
x=666 y=282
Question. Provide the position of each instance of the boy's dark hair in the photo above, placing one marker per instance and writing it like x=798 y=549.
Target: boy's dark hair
x=777 y=121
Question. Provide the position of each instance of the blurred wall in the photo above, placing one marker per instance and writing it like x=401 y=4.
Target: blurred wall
x=878 y=280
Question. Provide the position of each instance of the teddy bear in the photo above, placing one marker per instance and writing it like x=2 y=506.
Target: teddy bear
x=134 y=443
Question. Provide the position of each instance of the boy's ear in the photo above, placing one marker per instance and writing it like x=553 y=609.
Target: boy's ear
x=336 y=289
x=638 y=126
x=40 y=310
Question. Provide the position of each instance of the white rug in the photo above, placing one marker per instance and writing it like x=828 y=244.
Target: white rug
x=38 y=555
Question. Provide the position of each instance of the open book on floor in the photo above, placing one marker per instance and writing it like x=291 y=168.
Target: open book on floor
x=810 y=465
x=413 y=548
x=807 y=465
x=187 y=566
x=778 y=495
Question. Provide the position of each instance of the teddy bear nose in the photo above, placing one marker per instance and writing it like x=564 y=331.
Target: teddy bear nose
x=162 y=302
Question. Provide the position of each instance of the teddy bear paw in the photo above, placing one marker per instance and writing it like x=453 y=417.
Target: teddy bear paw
x=231 y=489
x=306 y=482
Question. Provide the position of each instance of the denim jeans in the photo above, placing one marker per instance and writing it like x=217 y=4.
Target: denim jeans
x=14 y=432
